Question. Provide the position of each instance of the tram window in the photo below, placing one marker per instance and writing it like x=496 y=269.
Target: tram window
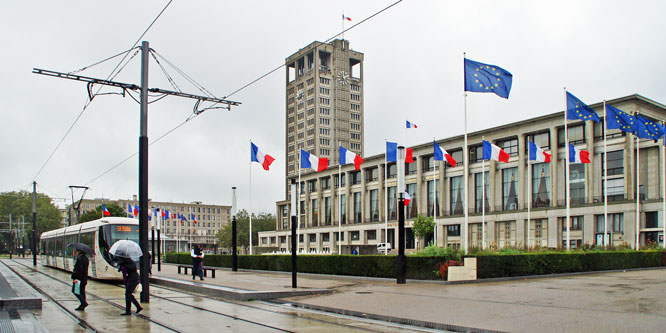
x=87 y=238
x=42 y=245
x=69 y=239
x=58 y=246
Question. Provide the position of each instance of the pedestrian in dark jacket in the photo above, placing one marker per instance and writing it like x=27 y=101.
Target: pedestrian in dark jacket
x=197 y=262
x=80 y=277
x=131 y=279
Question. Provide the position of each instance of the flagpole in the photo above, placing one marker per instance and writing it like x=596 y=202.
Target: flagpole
x=483 y=202
x=663 y=188
x=340 y=208
x=466 y=172
x=385 y=197
x=298 y=205
x=434 y=208
x=566 y=176
x=605 y=177
x=529 y=200
x=638 y=195
x=250 y=206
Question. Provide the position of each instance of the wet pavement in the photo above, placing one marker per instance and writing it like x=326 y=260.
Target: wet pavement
x=602 y=302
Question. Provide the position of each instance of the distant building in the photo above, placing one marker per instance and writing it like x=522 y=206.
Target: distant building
x=210 y=219
x=324 y=102
x=368 y=203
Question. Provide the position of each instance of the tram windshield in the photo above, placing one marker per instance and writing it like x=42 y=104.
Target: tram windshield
x=109 y=234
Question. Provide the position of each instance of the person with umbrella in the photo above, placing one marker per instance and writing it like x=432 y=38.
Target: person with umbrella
x=125 y=250
x=197 y=262
x=80 y=273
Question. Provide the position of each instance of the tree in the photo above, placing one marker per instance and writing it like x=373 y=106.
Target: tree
x=19 y=205
x=113 y=208
x=423 y=226
x=261 y=222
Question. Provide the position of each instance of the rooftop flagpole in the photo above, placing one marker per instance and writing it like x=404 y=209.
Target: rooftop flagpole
x=466 y=173
x=250 y=206
x=566 y=176
x=605 y=178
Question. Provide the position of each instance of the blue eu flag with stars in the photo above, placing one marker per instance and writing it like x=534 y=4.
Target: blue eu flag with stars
x=486 y=78
x=618 y=119
x=651 y=129
x=576 y=109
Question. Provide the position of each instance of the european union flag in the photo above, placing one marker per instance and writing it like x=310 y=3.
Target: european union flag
x=618 y=119
x=651 y=129
x=576 y=109
x=486 y=78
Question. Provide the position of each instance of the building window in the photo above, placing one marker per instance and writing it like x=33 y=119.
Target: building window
x=355 y=136
x=540 y=185
x=542 y=140
x=615 y=163
x=510 y=146
x=324 y=91
x=480 y=179
x=355 y=107
x=577 y=183
x=315 y=212
x=339 y=236
x=576 y=135
x=374 y=205
x=312 y=238
x=410 y=168
x=355 y=116
x=355 y=146
x=327 y=211
x=392 y=206
x=475 y=154
x=324 y=131
x=343 y=208
x=371 y=234
x=371 y=174
x=615 y=189
x=453 y=230
x=325 y=111
x=355 y=97
x=428 y=163
x=324 y=80
x=651 y=220
x=355 y=126
x=354 y=235
x=325 y=237
x=392 y=170
x=324 y=121
x=458 y=156
x=325 y=152
x=456 y=195
x=357 y=207
x=355 y=177
x=411 y=211
x=325 y=101
x=509 y=191
x=433 y=186
x=335 y=179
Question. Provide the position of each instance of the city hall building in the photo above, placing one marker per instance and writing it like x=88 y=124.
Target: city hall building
x=364 y=203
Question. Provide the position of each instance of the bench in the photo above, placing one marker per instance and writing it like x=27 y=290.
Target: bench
x=205 y=269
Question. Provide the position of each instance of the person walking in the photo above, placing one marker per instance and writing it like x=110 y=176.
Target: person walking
x=80 y=278
x=197 y=262
x=131 y=279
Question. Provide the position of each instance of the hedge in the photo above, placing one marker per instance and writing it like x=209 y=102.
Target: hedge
x=424 y=268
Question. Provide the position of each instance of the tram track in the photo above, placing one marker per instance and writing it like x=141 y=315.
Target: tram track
x=340 y=322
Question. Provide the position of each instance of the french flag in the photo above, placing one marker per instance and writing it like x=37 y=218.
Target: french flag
x=257 y=156
x=440 y=154
x=136 y=210
x=347 y=157
x=537 y=154
x=129 y=209
x=167 y=215
x=194 y=219
x=392 y=153
x=407 y=198
x=578 y=156
x=310 y=161
x=105 y=211
x=492 y=152
x=346 y=18
x=411 y=125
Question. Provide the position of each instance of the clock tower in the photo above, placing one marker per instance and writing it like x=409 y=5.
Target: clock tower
x=324 y=102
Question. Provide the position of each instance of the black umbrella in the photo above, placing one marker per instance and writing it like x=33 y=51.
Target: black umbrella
x=81 y=247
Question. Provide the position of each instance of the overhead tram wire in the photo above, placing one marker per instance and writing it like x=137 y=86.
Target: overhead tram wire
x=203 y=90
x=110 y=77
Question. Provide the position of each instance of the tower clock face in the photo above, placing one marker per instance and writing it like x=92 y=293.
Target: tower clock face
x=343 y=77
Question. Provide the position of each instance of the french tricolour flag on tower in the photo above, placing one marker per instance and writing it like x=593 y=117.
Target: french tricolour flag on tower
x=257 y=156
x=492 y=152
x=440 y=154
x=347 y=157
x=105 y=211
x=411 y=125
x=310 y=161
x=346 y=18
x=537 y=154
x=578 y=156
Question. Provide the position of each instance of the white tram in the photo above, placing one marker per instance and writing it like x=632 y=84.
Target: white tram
x=99 y=235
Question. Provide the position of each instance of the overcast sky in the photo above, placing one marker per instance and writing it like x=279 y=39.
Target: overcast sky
x=413 y=69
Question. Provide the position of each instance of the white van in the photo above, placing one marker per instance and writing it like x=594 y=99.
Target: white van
x=383 y=248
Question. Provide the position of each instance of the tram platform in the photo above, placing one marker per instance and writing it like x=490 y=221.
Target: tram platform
x=16 y=301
